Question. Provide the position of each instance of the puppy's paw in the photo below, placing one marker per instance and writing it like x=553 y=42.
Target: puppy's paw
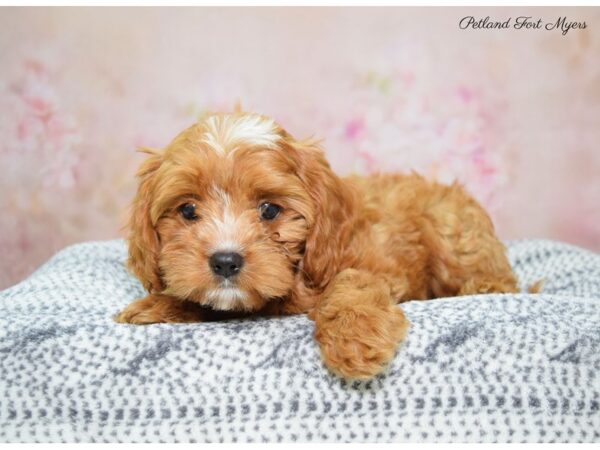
x=359 y=340
x=140 y=312
x=159 y=309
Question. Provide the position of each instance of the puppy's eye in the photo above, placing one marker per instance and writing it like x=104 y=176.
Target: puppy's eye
x=268 y=211
x=188 y=211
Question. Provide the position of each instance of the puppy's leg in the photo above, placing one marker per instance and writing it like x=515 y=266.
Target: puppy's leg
x=160 y=309
x=358 y=326
x=499 y=284
x=466 y=255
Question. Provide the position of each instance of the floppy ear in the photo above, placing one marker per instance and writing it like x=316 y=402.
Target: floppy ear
x=143 y=239
x=333 y=213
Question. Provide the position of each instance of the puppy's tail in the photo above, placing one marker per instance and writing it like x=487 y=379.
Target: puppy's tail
x=536 y=287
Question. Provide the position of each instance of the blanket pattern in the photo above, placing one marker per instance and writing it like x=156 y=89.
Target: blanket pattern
x=486 y=368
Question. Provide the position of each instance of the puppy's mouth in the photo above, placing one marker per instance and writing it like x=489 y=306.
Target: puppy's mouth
x=226 y=297
x=226 y=283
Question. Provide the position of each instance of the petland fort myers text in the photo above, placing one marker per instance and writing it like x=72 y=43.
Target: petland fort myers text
x=562 y=24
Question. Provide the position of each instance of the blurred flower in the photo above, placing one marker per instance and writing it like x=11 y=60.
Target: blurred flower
x=43 y=136
x=401 y=121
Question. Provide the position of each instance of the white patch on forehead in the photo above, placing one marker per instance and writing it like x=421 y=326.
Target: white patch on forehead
x=212 y=134
x=225 y=133
x=225 y=298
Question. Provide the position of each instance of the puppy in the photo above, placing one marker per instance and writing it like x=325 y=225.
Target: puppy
x=237 y=217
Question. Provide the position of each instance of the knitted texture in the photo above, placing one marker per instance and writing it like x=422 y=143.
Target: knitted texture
x=516 y=368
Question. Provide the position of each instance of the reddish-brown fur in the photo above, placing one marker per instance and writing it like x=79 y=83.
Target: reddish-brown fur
x=344 y=250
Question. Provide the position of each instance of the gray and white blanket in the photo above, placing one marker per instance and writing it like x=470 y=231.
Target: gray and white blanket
x=482 y=368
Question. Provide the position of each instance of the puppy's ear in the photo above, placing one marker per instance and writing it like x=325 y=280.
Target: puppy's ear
x=333 y=213
x=143 y=238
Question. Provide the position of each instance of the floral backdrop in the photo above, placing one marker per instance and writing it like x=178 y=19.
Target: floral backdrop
x=513 y=114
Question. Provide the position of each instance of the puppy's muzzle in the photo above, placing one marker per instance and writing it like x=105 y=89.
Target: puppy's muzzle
x=226 y=264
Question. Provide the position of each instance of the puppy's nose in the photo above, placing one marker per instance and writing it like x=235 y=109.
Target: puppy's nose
x=226 y=264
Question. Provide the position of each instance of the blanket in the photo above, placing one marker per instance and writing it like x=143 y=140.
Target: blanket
x=486 y=368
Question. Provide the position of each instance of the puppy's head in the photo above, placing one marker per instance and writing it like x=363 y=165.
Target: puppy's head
x=232 y=212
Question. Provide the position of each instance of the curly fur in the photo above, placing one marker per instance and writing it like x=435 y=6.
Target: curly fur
x=344 y=250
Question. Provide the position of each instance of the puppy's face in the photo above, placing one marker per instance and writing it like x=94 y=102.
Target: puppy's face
x=222 y=215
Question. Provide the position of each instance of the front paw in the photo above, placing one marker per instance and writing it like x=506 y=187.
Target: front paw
x=141 y=312
x=359 y=340
x=160 y=309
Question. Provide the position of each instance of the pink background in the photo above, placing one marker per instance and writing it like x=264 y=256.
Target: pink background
x=514 y=114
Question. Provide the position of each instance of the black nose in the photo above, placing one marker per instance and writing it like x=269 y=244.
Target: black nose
x=226 y=264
